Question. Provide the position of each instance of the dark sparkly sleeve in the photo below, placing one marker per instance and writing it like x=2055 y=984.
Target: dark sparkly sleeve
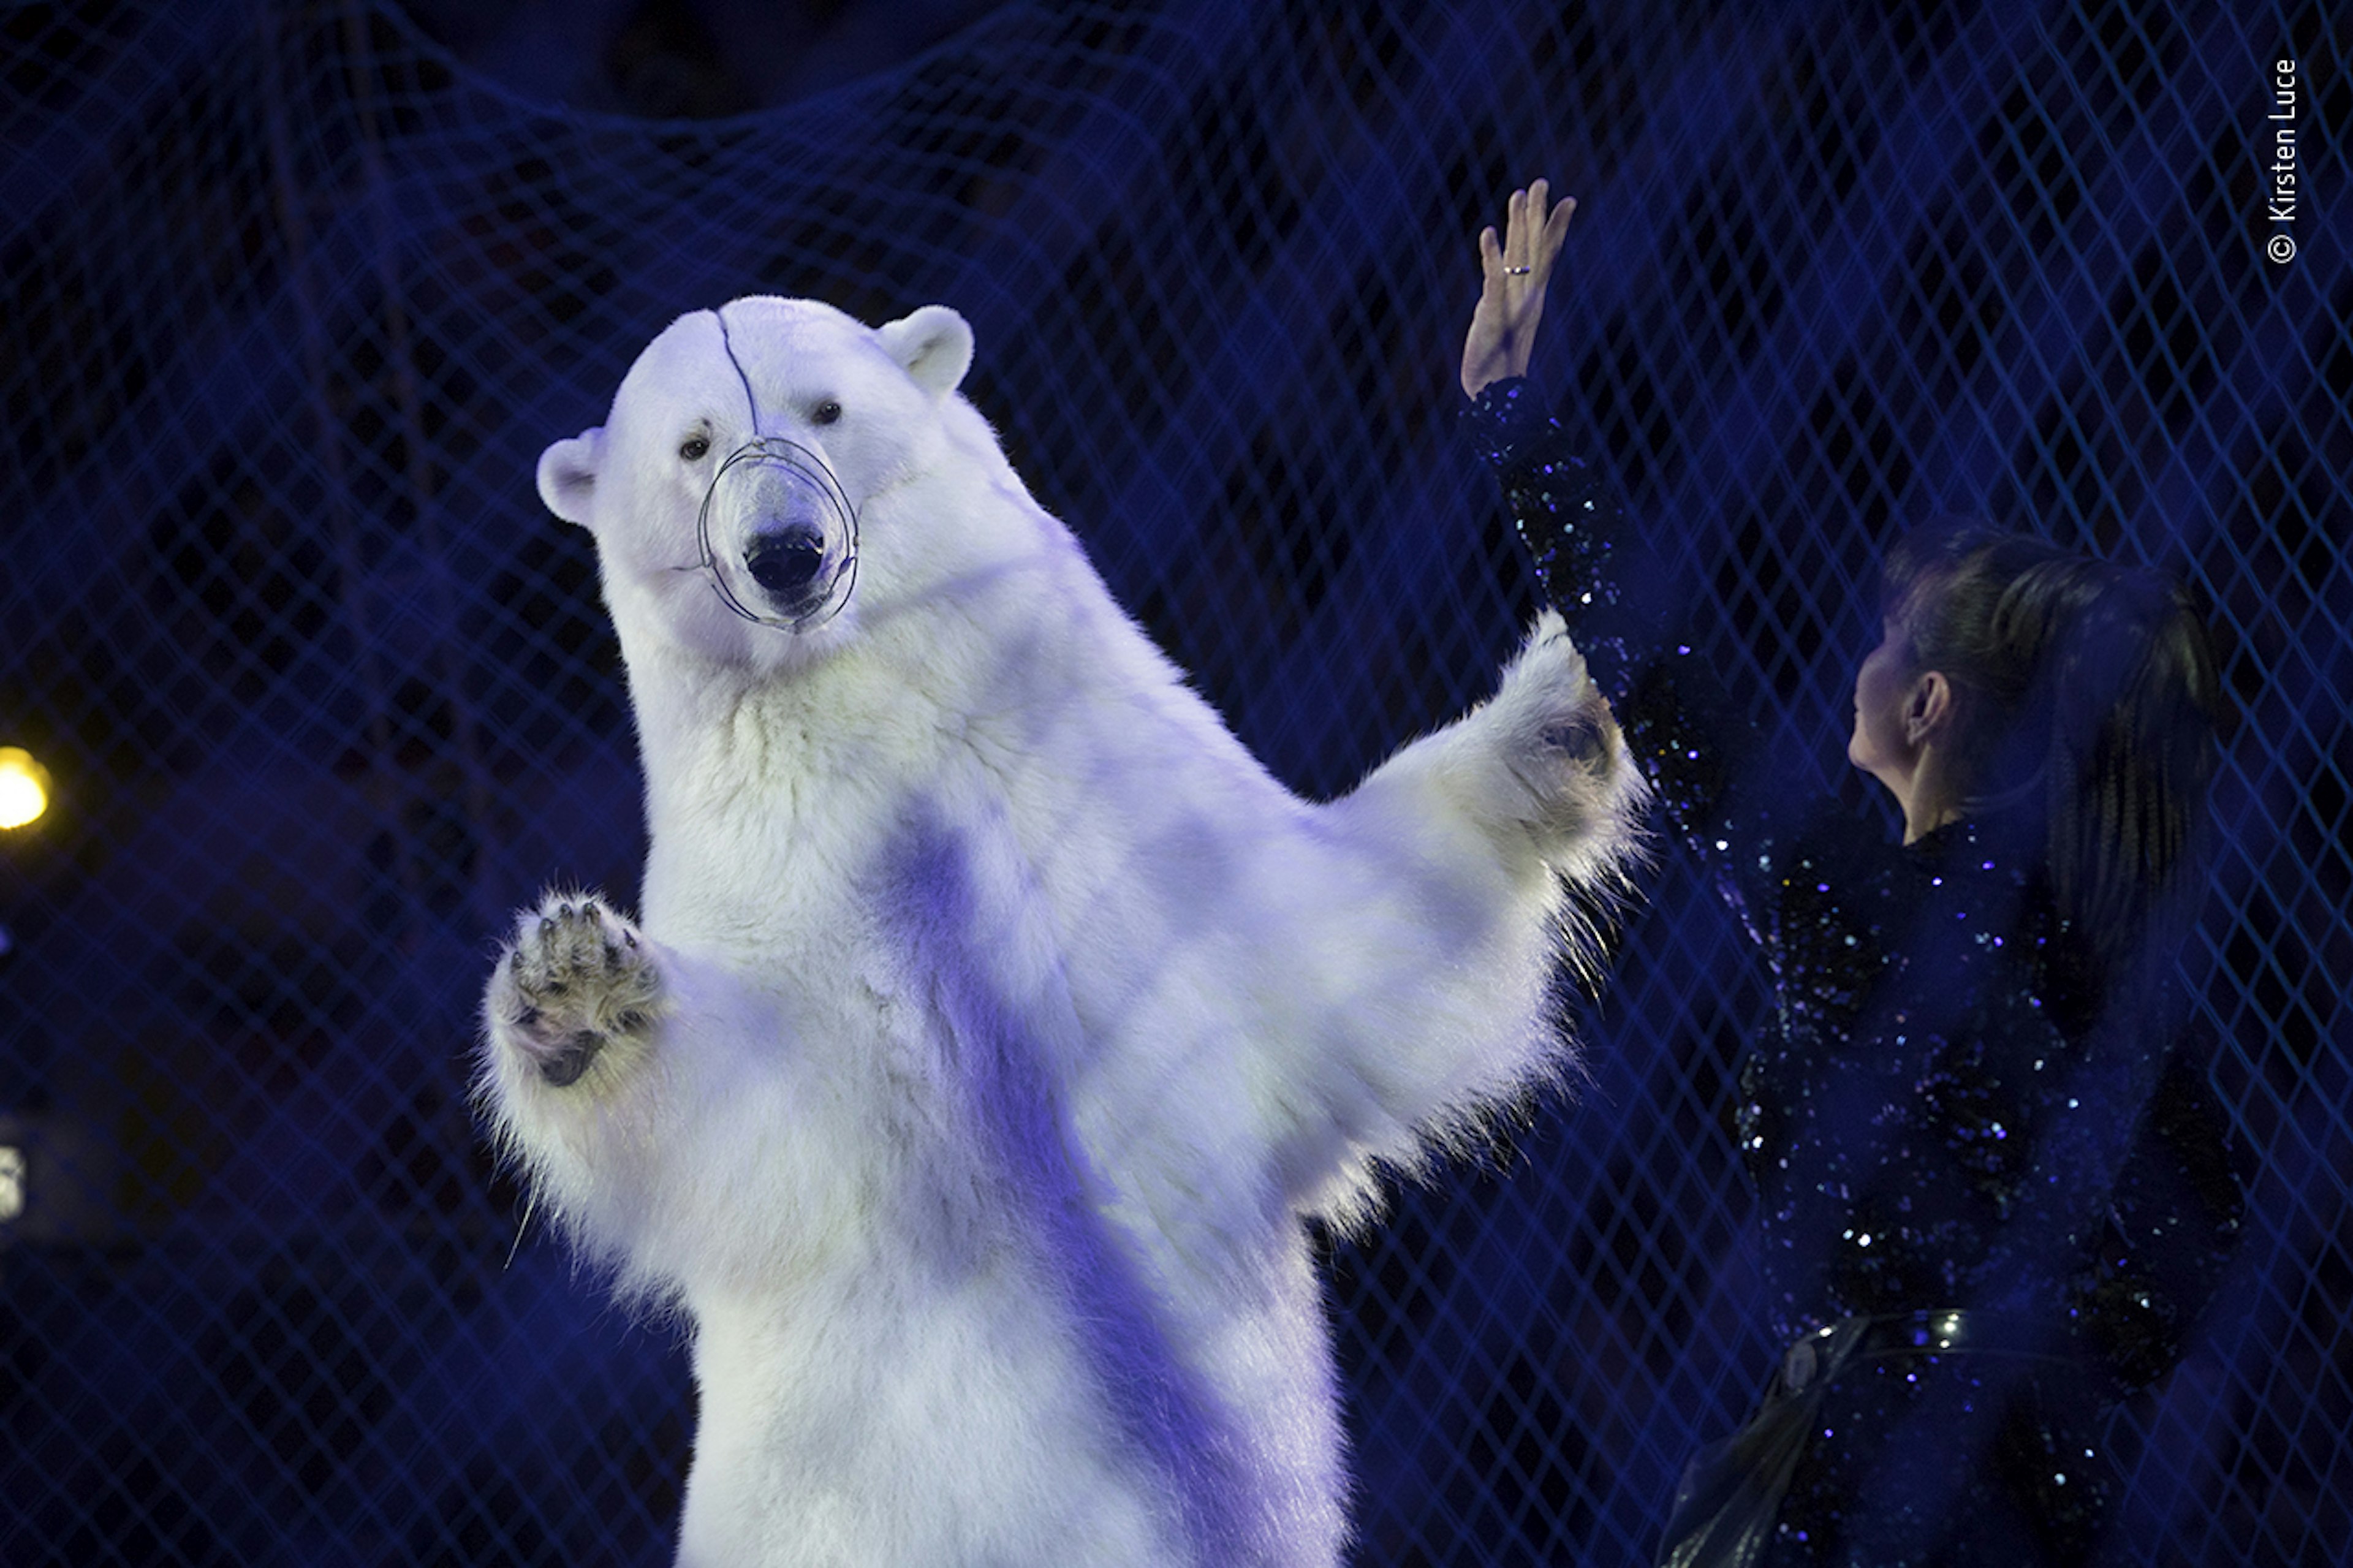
x=2167 y=1240
x=1588 y=560
x=1627 y=609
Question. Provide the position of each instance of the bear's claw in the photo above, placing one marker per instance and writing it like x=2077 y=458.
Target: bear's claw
x=573 y=981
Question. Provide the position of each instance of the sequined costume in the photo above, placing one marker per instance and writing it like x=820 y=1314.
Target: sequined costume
x=1972 y=1243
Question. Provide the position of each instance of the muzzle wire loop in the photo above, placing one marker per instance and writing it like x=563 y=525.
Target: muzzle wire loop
x=772 y=462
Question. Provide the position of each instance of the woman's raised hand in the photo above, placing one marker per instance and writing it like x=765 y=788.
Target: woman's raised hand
x=1511 y=300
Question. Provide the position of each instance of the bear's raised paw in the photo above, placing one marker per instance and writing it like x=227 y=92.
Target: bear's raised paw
x=575 y=979
x=1556 y=733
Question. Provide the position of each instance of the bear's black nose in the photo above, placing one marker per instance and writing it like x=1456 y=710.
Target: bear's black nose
x=787 y=561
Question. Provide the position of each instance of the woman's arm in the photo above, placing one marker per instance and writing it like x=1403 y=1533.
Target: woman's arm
x=1612 y=581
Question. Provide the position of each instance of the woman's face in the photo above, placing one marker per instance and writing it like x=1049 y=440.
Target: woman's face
x=1879 y=745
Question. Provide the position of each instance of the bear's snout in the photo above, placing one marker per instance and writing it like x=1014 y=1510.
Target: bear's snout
x=785 y=562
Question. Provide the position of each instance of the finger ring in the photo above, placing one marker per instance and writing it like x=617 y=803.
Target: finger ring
x=1517 y=271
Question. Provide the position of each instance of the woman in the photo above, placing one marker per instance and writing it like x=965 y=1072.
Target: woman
x=1992 y=1193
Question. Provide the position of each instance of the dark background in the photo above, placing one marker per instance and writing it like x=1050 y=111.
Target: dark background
x=295 y=294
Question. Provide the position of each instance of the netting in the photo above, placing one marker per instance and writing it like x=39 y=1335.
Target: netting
x=293 y=300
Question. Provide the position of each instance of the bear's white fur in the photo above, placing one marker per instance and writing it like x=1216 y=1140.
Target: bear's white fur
x=994 y=1019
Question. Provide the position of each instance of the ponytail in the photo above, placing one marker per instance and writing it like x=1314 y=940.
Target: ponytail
x=2088 y=698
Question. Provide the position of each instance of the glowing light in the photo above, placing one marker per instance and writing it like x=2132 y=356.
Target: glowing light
x=23 y=787
x=12 y=1182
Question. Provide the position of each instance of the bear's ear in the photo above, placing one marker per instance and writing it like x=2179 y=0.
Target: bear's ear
x=567 y=475
x=933 y=346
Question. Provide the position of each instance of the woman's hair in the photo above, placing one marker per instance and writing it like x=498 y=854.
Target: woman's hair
x=2086 y=699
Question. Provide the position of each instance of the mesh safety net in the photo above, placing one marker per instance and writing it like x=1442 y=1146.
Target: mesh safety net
x=294 y=300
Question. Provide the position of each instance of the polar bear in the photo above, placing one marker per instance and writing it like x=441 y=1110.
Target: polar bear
x=994 y=1018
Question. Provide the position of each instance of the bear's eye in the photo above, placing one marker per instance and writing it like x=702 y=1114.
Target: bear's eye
x=825 y=413
x=693 y=447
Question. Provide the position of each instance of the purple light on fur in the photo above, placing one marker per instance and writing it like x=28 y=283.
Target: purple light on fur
x=1020 y=1127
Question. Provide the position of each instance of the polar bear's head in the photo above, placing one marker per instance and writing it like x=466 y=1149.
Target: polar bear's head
x=726 y=487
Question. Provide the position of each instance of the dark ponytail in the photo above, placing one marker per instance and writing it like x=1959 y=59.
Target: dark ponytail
x=2089 y=707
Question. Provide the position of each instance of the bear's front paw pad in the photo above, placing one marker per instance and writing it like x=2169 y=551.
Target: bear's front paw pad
x=577 y=979
x=1556 y=705
x=1581 y=737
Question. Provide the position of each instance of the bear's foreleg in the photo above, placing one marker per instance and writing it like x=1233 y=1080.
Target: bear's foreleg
x=575 y=1078
x=1426 y=993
